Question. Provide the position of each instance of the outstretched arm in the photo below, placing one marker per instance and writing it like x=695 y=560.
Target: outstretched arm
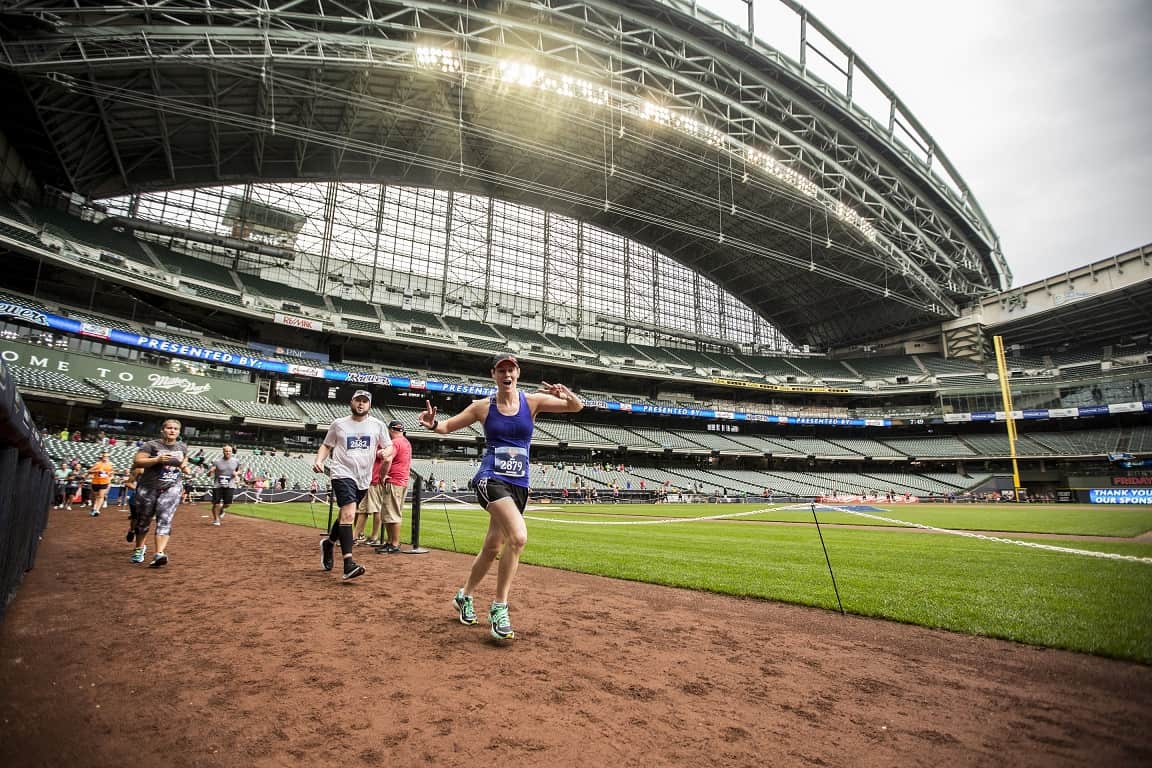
x=555 y=398
x=470 y=415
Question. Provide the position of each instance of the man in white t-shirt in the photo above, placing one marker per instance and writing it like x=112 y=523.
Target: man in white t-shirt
x=353 y=442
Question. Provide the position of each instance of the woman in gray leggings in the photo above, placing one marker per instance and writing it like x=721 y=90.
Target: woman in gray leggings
x=158 y=490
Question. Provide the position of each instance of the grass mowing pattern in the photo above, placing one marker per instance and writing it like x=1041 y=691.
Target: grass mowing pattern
x=936 y=580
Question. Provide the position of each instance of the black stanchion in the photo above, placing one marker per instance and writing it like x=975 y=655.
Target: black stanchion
x=416 y=548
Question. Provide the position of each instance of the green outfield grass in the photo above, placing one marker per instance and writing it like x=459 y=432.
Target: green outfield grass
x=940 y=580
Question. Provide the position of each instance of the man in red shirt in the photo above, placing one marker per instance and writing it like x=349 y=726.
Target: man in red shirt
x=372 y=505
x=396 y=484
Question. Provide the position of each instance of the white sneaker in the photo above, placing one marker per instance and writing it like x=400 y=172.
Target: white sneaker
x=215 y=522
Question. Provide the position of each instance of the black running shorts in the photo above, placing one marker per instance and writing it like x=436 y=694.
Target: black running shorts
x=489 y=489
x=346 y=491
x=222 y=495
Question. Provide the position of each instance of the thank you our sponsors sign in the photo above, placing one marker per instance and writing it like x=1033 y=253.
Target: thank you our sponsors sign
x=1120 y=495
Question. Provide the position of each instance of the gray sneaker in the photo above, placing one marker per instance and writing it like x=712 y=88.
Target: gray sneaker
x=464 y=607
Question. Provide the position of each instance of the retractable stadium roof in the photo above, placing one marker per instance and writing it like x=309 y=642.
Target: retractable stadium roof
x=649 y=118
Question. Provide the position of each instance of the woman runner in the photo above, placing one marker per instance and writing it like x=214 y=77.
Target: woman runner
x=503 y=479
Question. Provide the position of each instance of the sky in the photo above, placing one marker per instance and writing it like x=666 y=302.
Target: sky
x=1044 y=108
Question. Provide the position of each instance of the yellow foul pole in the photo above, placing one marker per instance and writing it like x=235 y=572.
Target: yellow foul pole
x=1006 y=395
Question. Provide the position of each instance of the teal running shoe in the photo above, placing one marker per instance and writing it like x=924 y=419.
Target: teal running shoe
x=464 y=607
x=499 y=624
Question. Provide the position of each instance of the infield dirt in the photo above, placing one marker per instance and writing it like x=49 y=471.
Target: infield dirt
x=243 y=652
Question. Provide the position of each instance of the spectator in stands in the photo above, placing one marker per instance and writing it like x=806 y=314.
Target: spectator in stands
x=503 y=479
x=260 y=483
x=354 y=442
x=100 y=475
x=61 y=475
x=396 y=484
x=158 y=490
x=224 y=470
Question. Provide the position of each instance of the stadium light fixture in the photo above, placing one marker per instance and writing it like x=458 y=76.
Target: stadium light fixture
x=528 y=75
x=442 y=59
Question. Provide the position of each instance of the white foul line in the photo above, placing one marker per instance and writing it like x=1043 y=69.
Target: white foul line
x=997 y=539
x=935 y=529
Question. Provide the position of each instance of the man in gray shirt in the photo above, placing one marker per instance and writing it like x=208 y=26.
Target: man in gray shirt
x=224 y=470
x=354 y=442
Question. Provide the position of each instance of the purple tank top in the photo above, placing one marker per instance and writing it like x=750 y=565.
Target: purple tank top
x=508 y=440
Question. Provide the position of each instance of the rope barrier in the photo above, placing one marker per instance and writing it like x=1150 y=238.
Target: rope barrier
x=997 y=539
x=935 y=529
x=663 y=521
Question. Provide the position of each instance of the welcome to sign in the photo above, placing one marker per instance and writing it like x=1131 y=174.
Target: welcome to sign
x=103 y=369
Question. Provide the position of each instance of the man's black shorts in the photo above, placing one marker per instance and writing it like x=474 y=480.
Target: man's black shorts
x=223 y=496
x=489 y=489
x=346 y=491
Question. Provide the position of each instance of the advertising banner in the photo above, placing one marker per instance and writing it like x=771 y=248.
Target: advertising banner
x=1120 y=495
x=298 y=322
x=47 y=358
x=99 y=369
